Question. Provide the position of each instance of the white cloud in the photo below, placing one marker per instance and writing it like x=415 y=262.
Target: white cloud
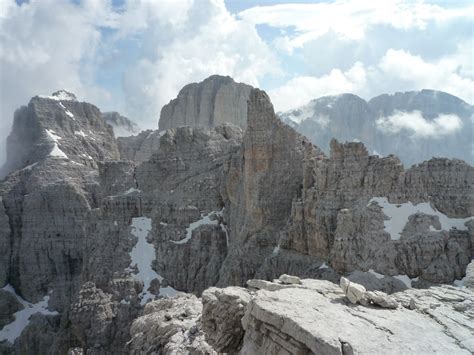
x=397 y=70
x=299 y=90
x=206 y=39
x=45 y=46
x=348 y=19
x=442 y=74
x=417 y=126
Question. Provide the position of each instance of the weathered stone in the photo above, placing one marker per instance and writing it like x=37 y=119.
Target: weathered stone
x=289 y=280
x=216 y=100
x=222 y=313
x=169 y=326
x=354 y=292
x=469 y=278
x=141 y=147
x=316 y=319
x=61 y=127
x=381 y=299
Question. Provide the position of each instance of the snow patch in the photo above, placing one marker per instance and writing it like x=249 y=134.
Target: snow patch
x=276 y=250
x=323 y=266
x=29 y=167
x=398 y=216
x=131 y=191
x=61 y=95
x=14 y=329
x=376 y=274
x=205 y=220
x=405 y=279
x=460 y=283
x=69 y=113
x=55 y=152
x=52 y=135
x=86 y=156
x=80 y=133
x=142 y=255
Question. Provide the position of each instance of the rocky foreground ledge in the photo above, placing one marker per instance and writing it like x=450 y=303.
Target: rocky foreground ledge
x=293 y=316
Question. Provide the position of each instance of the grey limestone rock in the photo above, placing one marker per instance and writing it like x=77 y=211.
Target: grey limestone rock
x=334 y=215
x=316 y=319
x=170 y=326
x=59 y=127
x=140 y=147
x=5 y=248
x=289 y=280
x=214 y=101
x=469 y=278
x=222 y=313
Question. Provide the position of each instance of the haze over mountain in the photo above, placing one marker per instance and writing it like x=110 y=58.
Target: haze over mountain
x=415 y=125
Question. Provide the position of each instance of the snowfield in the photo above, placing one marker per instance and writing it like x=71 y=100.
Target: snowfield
x=14 y=329
x=143 y=255
x=398 y=215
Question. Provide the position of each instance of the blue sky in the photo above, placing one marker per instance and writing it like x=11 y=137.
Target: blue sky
x=133 y=56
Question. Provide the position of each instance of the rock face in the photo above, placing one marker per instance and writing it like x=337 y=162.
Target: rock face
x=222 y=313
x=315 y=319
x=53 y=126
x=382 y=124
x=141 y=147
x=358 y=294
x=340 y=215
x=214 y=101
x=170 y=326
x=263 y=178
x=194 y=207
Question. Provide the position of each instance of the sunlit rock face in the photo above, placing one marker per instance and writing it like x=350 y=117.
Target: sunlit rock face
x=214 y=101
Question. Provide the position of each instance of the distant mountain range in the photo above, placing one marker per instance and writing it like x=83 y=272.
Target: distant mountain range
x=414 y=125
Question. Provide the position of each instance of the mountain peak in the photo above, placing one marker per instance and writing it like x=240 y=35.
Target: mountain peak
x=209 y=103
x=60 y=95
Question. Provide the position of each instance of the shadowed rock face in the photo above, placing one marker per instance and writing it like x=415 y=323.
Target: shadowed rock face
x=212 y=102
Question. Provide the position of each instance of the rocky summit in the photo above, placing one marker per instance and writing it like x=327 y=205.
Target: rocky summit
x=227 y=231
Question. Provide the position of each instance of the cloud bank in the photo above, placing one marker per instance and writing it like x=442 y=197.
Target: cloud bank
x=414 y=124
x=133 y=56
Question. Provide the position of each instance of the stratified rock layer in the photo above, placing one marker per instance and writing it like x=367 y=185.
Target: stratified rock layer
x=214 y=101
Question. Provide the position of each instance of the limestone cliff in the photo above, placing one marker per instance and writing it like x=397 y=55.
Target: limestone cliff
x=192 y=207
x=216 y=100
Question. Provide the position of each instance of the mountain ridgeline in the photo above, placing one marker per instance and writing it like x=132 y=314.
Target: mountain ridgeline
x=192 y=238
x=415 y=125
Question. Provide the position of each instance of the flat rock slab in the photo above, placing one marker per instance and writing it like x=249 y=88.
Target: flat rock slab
x=319 y=316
